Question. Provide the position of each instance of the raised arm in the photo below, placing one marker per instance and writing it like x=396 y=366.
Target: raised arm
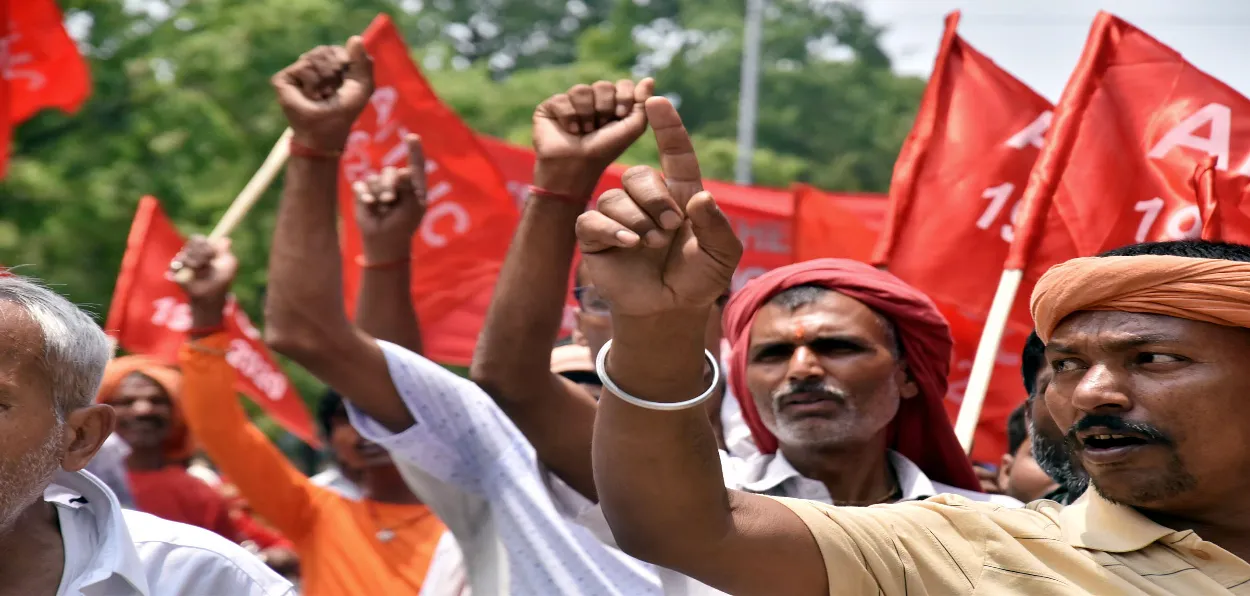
x=657 y=472
x=321 y=95
x=272 y=486
x=576 y=136
x=389 y=208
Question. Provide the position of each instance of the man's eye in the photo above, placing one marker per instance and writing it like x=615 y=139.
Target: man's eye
x=1064 y=365
x=1152 y=358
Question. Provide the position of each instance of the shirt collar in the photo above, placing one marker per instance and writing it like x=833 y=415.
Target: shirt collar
x=114 y=553
x=1095 y=523
x=772 y=470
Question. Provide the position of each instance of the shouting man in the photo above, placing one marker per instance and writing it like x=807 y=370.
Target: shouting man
x=1147 y=345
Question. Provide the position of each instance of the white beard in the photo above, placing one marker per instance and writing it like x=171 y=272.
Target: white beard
x=22 y=481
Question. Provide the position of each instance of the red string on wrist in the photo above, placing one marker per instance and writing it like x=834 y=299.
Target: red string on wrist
x=395 y=264
x=206 y=330
x=539 y=191
x=301 y=150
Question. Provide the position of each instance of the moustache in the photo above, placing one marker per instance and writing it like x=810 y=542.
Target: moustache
x=811 y=387
x=1116 y=424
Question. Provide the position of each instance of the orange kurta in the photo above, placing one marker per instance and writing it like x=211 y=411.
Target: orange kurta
x=335 y=537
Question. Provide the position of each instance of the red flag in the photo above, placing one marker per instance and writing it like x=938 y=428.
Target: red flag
x=959 y=175
x=1223 y=203
x=826 y=227
x=1134 y=123
x=460 y=246
x=955 y=189
x=149 y=315
x=40 y=66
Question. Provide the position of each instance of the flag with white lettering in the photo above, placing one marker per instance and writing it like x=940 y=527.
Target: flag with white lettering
x=1134 y=123
x=955 y=190
x=149 y=315
x=40 y=66
x=459 y=248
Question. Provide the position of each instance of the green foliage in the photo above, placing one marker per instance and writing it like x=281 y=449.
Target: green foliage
x=182 y=108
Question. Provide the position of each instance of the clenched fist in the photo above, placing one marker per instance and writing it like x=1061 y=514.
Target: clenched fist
x=213 y=269
x=661 y=243
x=323 y=93
x=579 y=133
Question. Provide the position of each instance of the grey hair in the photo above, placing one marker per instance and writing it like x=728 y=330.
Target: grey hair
x=75 y=349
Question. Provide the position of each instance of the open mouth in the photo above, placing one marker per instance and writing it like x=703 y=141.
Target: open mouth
x=1113 y=441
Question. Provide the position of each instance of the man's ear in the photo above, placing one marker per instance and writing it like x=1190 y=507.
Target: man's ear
x=907 y=388
x=1004 y=471
x=84 y=433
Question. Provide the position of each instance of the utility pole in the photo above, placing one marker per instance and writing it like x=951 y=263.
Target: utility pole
x=748 y=92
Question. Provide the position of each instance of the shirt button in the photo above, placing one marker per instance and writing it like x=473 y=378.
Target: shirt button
x=1201 y=554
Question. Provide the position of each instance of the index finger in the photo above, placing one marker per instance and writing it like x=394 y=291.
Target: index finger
x=416 y=165
x=677 y=158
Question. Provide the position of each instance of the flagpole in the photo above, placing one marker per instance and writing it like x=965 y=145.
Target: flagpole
x=249 y=196
x=987 y=354
x=748 y=92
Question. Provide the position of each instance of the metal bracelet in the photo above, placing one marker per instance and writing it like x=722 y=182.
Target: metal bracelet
x=601 y=370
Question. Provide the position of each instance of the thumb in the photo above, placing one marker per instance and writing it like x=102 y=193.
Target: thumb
x=713 y=231
x=359 y=65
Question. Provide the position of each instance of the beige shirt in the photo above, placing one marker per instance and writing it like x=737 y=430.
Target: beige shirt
x=949 y=546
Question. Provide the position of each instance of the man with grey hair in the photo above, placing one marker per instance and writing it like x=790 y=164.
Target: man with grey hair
x=62 y=531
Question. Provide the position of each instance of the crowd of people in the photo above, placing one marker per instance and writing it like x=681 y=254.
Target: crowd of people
x=813 y=456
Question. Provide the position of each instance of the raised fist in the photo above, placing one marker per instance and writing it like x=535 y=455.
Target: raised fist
x=661 y=243
x=578 y=134
x=213 y=268
x=323 y=93
x=390 y=205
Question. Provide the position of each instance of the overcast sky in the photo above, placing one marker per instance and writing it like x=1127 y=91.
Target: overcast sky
x=1039 y=40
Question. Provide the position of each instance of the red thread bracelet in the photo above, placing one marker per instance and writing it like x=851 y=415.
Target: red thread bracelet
x=360 y=260
x=301 y=150
x=206 y=330
x=539 y=191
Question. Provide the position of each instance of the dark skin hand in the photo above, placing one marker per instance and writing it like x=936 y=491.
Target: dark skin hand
x=576 y=136
x=657 y=472
x=321 y=95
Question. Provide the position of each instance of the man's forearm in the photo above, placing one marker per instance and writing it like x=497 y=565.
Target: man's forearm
x=385 y=310
x=658 y=473
x=304 y=302
x=525 y=313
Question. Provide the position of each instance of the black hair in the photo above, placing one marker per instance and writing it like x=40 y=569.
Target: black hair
x=1194 y=249
x=796 y=297
x=329 y=408
x=1017 y=429
x=1032 y=359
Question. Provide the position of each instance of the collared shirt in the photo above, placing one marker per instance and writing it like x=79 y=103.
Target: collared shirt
x=115 y=552
x=771 y=474
x=465 y=459
x=950 y=545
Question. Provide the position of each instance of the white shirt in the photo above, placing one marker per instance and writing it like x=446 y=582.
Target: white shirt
x=114 y=552
x=333 y=479
x=771 y=474
x=469 y=463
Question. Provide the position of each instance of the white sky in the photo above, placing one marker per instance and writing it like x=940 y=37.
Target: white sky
x=1039 y=40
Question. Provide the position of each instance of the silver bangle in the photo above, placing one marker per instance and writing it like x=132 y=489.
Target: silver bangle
x=601 y=370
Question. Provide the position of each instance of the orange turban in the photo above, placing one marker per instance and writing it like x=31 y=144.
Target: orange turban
x=1209 y=290
x=179 y=446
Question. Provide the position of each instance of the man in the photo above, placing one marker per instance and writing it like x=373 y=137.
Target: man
x=146 y=396
x=1148 y=353
x=381 y=544
x=338 y=476
x=1049 y=450
x=1020 y=476
x=61 y=529
x=453 y=445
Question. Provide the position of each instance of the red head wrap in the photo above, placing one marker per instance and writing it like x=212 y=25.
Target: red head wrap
x=921 y=431
x=179 y=446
